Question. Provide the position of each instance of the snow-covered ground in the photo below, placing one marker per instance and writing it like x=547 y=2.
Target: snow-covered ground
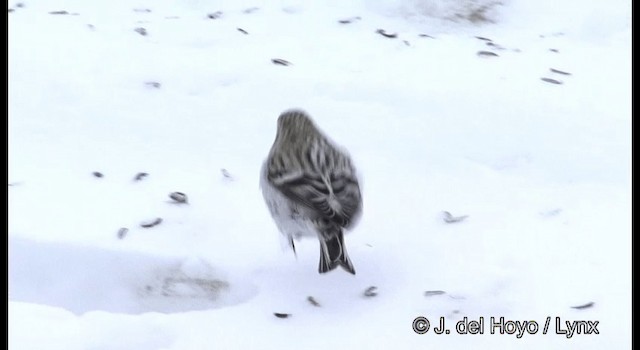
x=543 y=171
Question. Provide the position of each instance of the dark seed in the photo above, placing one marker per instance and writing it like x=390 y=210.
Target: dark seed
x=313 y=301
x=153 y=84
x=348 y=20
x=553 y=70
x=552 y=81
x=178 y=197
x=140 y=176
x=554 y=50
x=226 y=173
x=487 y=54
x=280 y=61
x=97 y=174
x=281 y=315
x=584 y=306
x=62 y=12
x=149 y=224
x=426 y=36
x=371 y=291
x=215 y=15
x=122 y=232
x=483 y=38
x=141 y=31
x=251 y=10
x=242 y=31
x=450 y=219
x=431 y=293
x=385 y=34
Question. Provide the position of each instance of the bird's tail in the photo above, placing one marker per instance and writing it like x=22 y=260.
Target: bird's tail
x=333 y=253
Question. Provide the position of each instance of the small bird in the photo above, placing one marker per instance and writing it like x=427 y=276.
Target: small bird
x=311 y=188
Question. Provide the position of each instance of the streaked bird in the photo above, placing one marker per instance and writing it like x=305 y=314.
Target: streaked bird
x=311 y=188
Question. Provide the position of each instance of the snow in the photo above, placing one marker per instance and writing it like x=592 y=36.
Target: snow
x=543 y=172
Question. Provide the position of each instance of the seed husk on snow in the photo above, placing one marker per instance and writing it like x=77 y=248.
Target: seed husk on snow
x=122 y=232
x=140 y=176
x=487 y=54
x=141 y=31
x=483 y=38
x=281 y=315
x=552 y=81
x=153 y=84
x=226 y=174
x=313 y=301
x=584 y=306
x=151 y=223
x=450 y=219
x=97 y=174
x=280 y=61
x=371 y=292
x=61 y=12
x=386 y=34
x=431 y=293
x=348 y=20
x=215 y=15
x=553 y=70
x=178 y=197
x=242 y=31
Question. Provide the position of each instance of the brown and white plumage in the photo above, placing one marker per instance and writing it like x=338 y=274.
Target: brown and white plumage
x=311 y=188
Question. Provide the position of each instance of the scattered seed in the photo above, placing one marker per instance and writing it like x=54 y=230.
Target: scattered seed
x=348 y=20
x=483 y=38
x=97 y=174
x=281 y=315
x=313 y=301
x=487 y=54
x=153 y=84
x=61 y=12
x=141 y=31
x=450 y=219
x=178 y=197
x=226 y=174
x=371 y=292
x=552 y=81
x=406 y=42
x=140 y=176
x=386 y=34
x=242 y=31
x=122 y=232
x=494 y=45
x=431 y=293
x=584 y=306
x=251 y=10
x=553 y=70
x=554 y=50
x=280 y=61
x=151 y=223
x=91 y=26
x=142 y=10
x=11 y=10
x=426 y=36
x=215 y=15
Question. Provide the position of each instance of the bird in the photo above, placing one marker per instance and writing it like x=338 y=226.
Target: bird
x=311 y=188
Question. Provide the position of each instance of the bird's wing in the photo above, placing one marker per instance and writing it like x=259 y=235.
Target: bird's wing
x=335 y=198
